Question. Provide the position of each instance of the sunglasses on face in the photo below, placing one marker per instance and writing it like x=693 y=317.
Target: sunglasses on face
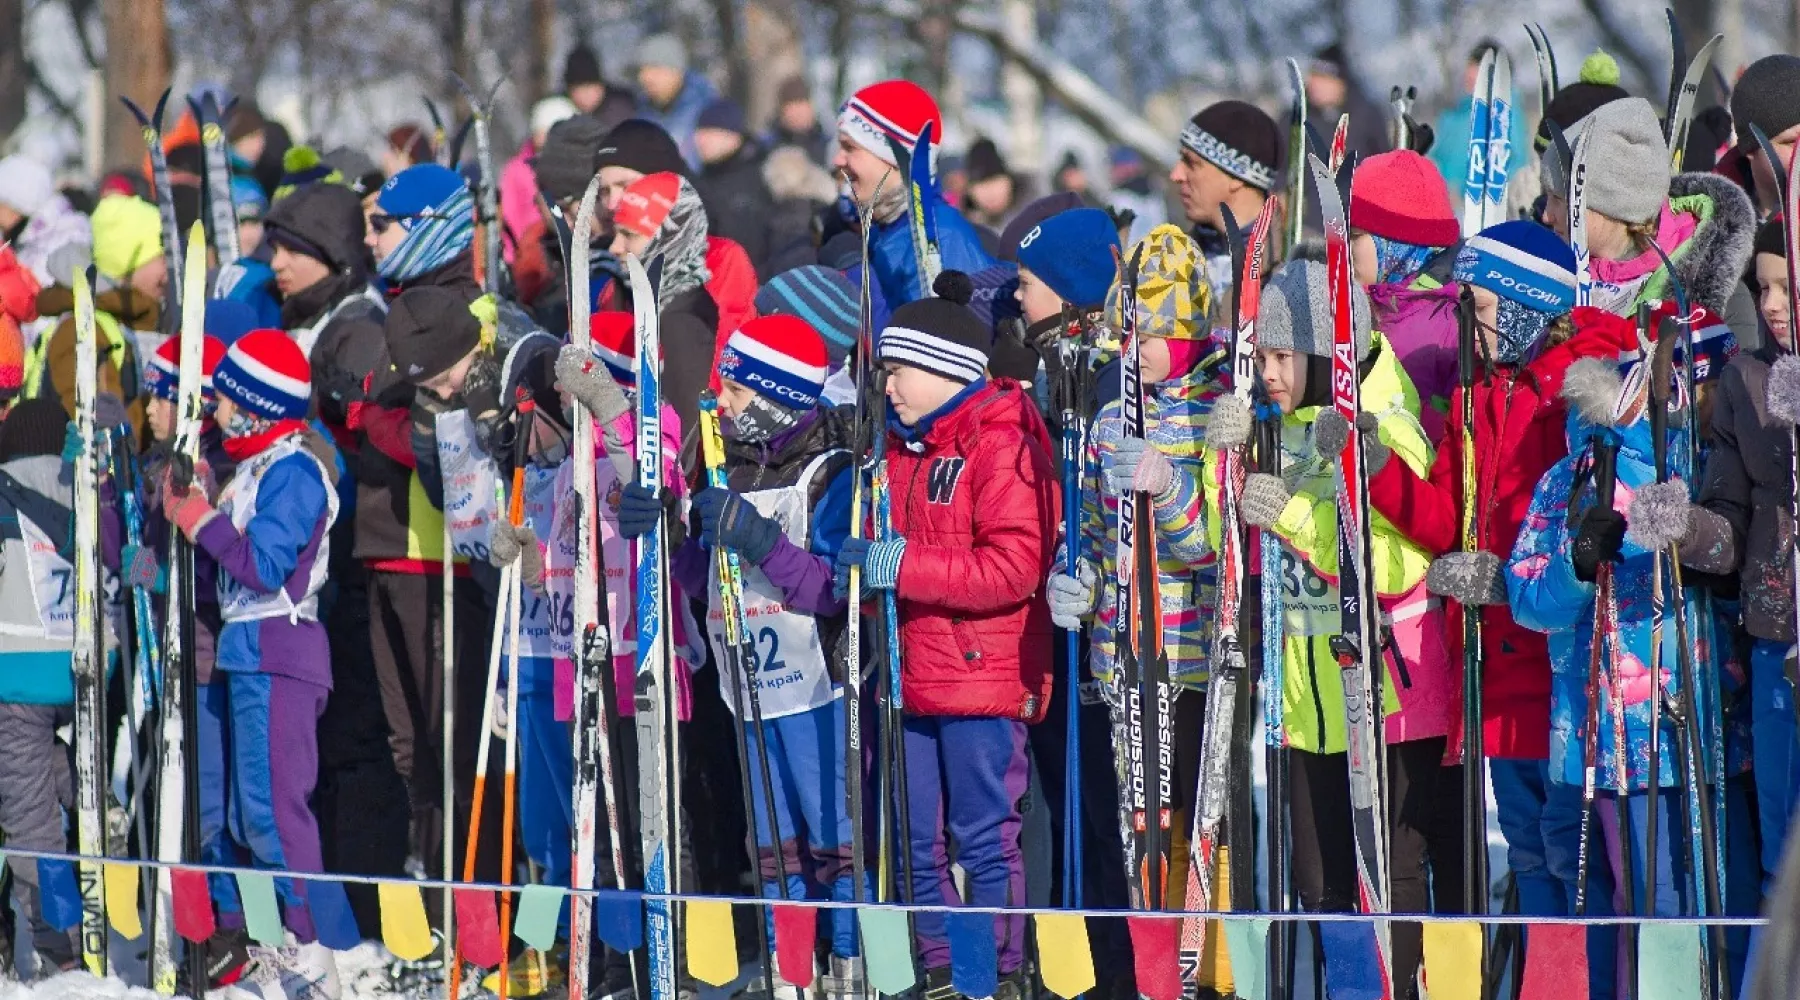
x=380 y=221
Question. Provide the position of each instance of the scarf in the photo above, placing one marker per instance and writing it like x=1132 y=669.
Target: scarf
x=432 y=240
x=1517 y=330
x=1396 y=263
x=249 y=436
x=761 y=420
x=681 y=246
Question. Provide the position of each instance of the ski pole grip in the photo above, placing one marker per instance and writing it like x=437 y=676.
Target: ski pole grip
x=1466 y=334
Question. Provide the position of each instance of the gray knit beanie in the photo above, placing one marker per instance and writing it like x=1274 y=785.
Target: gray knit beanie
x=1628 y=175
x=1767 y=95
x=1296 y=311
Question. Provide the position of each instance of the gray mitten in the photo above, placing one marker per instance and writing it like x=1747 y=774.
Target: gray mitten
x=1375 y=454
x=1660 y=516
x=1784 y=390
x=588 y=381
x=1228 y=426
x=1263 y=499
x=1072 y=597
x=1469 y=578
x=506 y=543
x=1330 y=432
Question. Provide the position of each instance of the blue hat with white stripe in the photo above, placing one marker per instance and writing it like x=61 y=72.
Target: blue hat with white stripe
x=820 y=295
x=1521 y=261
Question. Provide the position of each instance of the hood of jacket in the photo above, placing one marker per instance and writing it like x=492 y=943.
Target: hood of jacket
x=1711 y=263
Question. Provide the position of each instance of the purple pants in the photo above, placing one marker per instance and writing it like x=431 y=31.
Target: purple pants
x=964 y=780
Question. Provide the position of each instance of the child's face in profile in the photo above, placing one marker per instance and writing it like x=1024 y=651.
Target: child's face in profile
x=1284 y=378
x=161 y=413
x=916 y=393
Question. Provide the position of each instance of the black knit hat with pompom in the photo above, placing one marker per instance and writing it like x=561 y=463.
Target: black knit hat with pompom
x=942 y=334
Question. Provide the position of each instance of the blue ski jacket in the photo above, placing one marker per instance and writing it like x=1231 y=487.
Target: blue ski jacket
x=1546 y=596
x=896 y=266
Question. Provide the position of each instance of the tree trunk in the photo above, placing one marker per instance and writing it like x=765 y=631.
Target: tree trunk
x=1024 y=100
x=13 y=79
x=137 y=66
x=772 y=45
x=537 y=57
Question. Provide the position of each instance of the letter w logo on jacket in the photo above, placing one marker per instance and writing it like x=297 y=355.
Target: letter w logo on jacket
x=940 y=481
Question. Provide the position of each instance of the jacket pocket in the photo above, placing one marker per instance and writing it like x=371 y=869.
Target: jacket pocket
x=968 y=643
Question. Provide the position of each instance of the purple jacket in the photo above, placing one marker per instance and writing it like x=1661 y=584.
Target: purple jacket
x=1420 y=325
x=277 y=550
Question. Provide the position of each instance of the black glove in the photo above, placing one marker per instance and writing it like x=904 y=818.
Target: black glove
x=1601 y=538
x=727 y=519
x=639 y=509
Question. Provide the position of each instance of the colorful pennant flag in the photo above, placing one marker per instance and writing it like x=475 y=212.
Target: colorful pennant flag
x=711 y=943
x=1248 y=942
x=404 y=928
x=540 y=909
x=1556 y=963
x=1453 y=960
x=1065 y=959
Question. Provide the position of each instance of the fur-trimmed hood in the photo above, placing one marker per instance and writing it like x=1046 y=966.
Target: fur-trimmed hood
x=1711 y=263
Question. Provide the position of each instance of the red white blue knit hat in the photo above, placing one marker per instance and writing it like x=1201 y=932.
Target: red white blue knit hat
x=891 y=109
x=614 y=335
x=162 y=376
x=266 y=373
x=780 y=357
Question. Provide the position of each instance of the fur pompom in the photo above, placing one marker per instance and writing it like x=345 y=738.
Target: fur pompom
x=1784 y=390
x=1661 y=515
x=1592 y=387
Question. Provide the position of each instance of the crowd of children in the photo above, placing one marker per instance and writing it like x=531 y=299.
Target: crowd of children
x=376 y=394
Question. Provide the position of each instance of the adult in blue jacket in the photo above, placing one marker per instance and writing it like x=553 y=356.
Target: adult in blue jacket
x=872 y=121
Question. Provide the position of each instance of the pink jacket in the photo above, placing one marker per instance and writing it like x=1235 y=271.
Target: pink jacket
x=518 y=199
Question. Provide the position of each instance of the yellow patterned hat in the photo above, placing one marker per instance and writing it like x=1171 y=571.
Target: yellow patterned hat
x=1174 y=295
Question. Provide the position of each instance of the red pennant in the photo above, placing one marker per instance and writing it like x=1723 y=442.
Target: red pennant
x=1556 y=962
x=193 y=905
x=796 y=930
x=478 y=927
x=1155 y=956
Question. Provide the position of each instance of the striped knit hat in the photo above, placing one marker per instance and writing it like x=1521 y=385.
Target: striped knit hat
x=266 y=373
x=941 y=334
x=821 y=296
x=162 y=376
x=615 y=344
x=432 y=204
x=1521 y=261
x=891 y=110
x=779 y=357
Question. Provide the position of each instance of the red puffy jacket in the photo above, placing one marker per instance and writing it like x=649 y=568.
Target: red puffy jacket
x=1519 y=434
x=978 y=504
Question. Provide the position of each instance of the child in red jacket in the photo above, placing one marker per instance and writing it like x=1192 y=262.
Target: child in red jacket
x=975 y=509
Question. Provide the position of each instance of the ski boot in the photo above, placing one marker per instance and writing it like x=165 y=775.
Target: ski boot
x=530 y=974
x=423 y=976
x=291 y=972
x=844 y=979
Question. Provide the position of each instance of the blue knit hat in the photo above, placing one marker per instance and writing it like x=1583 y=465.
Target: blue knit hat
x=248 y=198
x=418 y=189
x=1073 y=254
x=1521 y=261
x=265 y=373
x=821 y=296
x=229 y=319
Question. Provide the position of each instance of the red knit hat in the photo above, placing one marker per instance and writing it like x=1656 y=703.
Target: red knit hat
x=1401 y=196
x=646 y=204
x=891 y=109
x=614 y=336
x=162 y=376
x=781 y=357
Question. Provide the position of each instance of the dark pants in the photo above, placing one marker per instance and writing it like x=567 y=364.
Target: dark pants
x=406 y=636
x=1324 y=847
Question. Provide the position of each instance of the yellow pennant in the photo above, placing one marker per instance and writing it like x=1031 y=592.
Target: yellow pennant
x=712 y=943
x=1067 y=962
x=1453 y=960
x=121 y=884
x=403 y=926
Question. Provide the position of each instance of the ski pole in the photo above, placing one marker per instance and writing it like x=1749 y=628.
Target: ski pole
x=448 y=759
x=526 y=414
x=740 y=663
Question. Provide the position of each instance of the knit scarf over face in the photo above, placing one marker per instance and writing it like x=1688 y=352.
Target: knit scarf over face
x=681 y=245
x=1517 y=330
x=250 y=435
x=432 y=240
x=1396 y=262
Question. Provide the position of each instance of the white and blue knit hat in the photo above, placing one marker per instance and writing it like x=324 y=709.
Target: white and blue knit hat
x=1521 y=261
x=265 y=373
x=780 y=357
